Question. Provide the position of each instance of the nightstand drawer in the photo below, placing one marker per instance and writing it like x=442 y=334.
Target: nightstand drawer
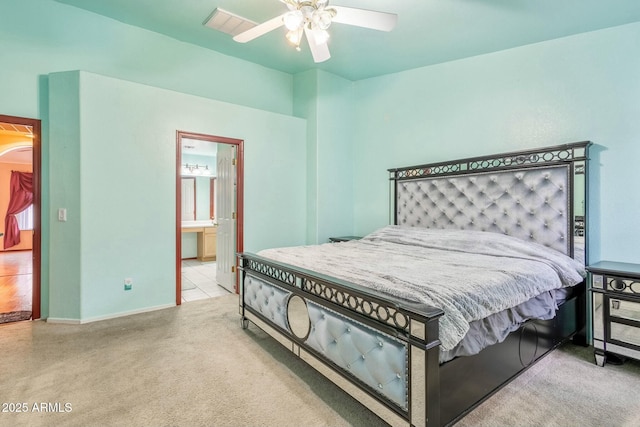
x=625 y=334
x=624 y=285
x=624 y=309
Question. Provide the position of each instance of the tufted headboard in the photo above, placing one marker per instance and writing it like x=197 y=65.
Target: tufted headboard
x=536 y=195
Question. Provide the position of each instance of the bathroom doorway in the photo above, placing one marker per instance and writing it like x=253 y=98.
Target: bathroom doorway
x=208 y=239
x=20 y=164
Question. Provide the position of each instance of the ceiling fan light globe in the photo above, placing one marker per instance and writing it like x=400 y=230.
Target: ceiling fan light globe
x=324 y=19
x=295 y=36
x=307 y=11
x=293 y=20
x=315 y=18
x=321 y=4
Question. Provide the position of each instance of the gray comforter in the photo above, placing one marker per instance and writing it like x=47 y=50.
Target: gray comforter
x=468 y=274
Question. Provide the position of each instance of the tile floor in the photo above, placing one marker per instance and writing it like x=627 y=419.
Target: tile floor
x=199 y=281
x=15 y=281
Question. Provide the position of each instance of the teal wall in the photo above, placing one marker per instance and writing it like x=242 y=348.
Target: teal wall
x=62 y=259
x=305 y=105
x=38 y=37
x=122 y=188
x=334 y=157
x=326 y=101
x=584 y=87
x=189 y=245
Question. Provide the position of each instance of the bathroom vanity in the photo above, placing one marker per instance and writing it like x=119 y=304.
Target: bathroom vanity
x=207 y=238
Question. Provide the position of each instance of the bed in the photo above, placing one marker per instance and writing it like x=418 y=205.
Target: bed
x=479 y=275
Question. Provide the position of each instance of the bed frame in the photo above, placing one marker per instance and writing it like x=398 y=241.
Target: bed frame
x=385 y=351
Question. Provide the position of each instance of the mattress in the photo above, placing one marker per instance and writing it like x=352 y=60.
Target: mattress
x=472 y=276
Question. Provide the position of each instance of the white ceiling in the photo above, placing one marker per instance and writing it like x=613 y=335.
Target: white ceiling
x=428 y=31
x=15 y=143
x=22 y=155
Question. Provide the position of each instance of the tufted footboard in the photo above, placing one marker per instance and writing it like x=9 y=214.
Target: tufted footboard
x=384 y=353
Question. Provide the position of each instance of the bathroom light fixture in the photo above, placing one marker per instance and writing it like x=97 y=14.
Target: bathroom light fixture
x=195 y=169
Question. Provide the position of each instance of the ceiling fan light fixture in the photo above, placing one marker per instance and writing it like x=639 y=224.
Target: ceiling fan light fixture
x=304 y=15
x=307 y=9
x=323 y=19
x=295 y=37
x=312 y=18
x=293 y=20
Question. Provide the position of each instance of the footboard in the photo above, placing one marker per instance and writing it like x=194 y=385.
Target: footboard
x=382 y=351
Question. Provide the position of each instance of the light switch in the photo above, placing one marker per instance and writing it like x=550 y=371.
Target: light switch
x=62 y=214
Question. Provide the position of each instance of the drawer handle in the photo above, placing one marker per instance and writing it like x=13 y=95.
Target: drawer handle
x=618 y=285
x=615 y=304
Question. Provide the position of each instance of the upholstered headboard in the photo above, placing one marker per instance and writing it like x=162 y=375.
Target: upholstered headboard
x=529 y=194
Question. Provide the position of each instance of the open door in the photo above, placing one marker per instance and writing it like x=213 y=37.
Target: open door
x=11 y=126
x=226 y=206
x=229 y=207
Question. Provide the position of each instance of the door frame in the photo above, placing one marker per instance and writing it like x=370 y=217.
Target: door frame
x=36 y=246
x=239 y=143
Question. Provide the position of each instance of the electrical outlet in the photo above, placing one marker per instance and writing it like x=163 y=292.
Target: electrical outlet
x=128 y=284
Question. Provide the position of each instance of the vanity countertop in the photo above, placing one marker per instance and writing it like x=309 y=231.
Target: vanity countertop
x=198 y=224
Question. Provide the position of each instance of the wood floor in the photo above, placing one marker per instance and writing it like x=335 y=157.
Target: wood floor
x=15 y=281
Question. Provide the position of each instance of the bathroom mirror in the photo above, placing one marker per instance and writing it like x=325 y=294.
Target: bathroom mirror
x=198 y=198
x=199 y=164
x=298 y=317
x=579 y=212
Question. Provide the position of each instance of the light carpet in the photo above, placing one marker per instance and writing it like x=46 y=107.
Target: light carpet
x=194 y=366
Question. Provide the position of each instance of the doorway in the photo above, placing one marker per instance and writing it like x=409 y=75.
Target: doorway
x=217 y=223
x=21 y=266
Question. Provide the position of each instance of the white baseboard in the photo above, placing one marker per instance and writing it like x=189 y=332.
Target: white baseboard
x=62 y=320
x=108 y=316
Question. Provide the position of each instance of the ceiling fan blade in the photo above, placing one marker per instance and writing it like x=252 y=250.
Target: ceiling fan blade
x=382 y=21
x=259 y=30
x=320 y=52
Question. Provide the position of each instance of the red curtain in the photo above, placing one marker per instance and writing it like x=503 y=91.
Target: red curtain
x=20 y=198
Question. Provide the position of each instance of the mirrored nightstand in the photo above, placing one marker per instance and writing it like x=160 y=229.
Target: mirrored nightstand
x=615 y=298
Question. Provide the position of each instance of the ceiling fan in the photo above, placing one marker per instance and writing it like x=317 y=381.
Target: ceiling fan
x=312 y=18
